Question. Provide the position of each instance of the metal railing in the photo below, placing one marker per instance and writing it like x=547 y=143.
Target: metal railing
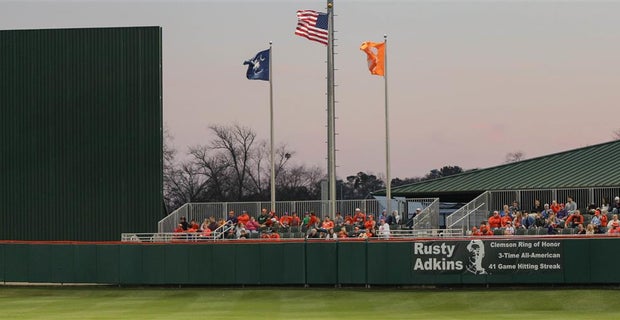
x=470 y=214
x=221 y=236
x=219 y=210
x=582 y=196
x=428 y=218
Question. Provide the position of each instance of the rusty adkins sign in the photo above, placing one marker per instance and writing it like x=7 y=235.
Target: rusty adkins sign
x=478 y=256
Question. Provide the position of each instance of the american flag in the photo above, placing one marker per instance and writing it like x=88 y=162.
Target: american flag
x=312 y=25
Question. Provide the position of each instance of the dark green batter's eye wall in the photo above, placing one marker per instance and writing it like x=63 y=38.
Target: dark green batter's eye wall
x=80 y=133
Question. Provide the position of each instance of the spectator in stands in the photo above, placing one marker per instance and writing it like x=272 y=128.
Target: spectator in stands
x=327 y=225
x=295 y=221
x=232 y=219
x=243 y=235
x=555 y=206
x=194 y=225
x=604 y=220
x=505 y=211
x=509 y=229
x=370 y=223
x=240 y=231
x=359 y=217
x=338 y=220
x=495 y=221
x=537 y=206
x=212 y=223
x=553 y=224
x=244 y=217
x=179 y=228
x=591 y=208
x=184 y=223
x=205 y=225
x=384 y=229
x=485 y=230
x=263 y=219
x=475 y=231
x=605 y=204
x=514 y=208
x=571 y=205
x=390 y=219
x=313 y=221
x=596 y=222
x=305 y=222
x=505 y=219
x=383 y=216
x=614 y=223
x=540 y=221
x=355 y=232
x=252 y=226
x=206 y=232
x=528 y=220
x=343 y=233
x=348 y=220
x=516 y=222
x=562 y=213
x=221 y=222
x=396 y=216
x=417 y=212
x=574 y=219
x=589 y=230
x=615 y=207
x=274 y=221
x=285 y=220
x=546 y=211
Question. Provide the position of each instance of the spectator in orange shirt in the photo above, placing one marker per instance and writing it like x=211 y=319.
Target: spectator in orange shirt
x=285 y=220
x=348 y=220
x=574 y=219
x=313 y=221
x=495 y=221
x=194 y=225
x=179 y=228
x=244 y=218
x=485 y=230
x=370 y=222
x=475 y=231
x=295 y=221
x=505 y=219
x=359 y=217
x=327 y=225
x=613 y=226
x=555 y=207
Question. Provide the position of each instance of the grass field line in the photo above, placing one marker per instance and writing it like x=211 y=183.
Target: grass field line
x=299 y=303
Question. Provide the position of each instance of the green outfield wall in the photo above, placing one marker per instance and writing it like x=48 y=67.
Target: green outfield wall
x=425 y=262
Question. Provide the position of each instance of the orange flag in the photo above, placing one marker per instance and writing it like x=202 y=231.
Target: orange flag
x=375 y=52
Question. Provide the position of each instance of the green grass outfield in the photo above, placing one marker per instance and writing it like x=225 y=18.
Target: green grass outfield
x=299 y=303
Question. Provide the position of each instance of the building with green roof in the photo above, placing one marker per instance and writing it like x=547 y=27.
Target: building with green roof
x=588 y=174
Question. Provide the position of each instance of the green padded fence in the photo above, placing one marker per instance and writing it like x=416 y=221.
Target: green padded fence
x=424 y=262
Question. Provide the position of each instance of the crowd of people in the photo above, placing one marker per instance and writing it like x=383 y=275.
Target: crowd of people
x=268 y=225
x=554 y=218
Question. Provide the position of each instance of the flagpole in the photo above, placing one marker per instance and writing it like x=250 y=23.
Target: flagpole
x=273 y=163
x=331 y=111
x=388 y=178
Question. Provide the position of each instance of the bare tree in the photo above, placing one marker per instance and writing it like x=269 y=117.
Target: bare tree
x=234 y=143
x=515 y=156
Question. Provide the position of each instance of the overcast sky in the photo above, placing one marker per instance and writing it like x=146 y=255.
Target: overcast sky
x=469 y=82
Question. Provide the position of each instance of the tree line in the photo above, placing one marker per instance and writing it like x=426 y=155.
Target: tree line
x=235 y=166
